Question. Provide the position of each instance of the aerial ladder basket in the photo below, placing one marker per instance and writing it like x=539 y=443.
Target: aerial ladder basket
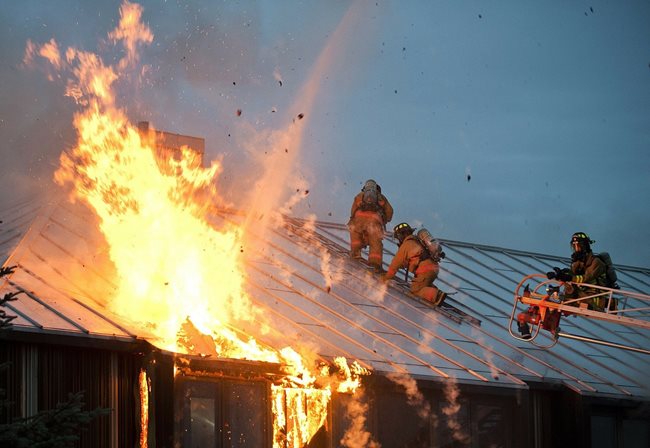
x=540 y=304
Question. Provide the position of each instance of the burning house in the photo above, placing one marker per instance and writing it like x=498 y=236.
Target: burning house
x=160 y=301
x=274 y=372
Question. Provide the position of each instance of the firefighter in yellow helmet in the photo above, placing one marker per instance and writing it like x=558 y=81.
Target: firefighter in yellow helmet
x=368 y=217
x=585 y=268
x=413 y=256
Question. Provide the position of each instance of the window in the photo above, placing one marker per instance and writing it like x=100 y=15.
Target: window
x=452 y=427
x=609 y=431
x=224 y=414
x=603 y=431
x=244 y=416
x=400 y=425
x=202 y=422
x=474 y=422
x=636 y=433
x=489 y=426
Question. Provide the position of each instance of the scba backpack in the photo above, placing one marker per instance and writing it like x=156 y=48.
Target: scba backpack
x=611 y=278
x=370 y=198
x=432 y=248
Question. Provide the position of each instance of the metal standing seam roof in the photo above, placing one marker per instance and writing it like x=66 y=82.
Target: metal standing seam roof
x=15 y=219
x=310 y=293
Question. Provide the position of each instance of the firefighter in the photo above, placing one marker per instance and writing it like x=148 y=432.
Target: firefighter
x=368 y=217
x=412 y=256
x=585 y=268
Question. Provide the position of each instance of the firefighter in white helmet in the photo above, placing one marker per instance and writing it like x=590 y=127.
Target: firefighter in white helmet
x=413 y=256
x=368 y=217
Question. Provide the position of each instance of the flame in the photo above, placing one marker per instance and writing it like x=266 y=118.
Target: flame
x=143 y=385
x=131 y=32
x=172 y=265
x=298 y=414
x=179 y=277
x=352 y=375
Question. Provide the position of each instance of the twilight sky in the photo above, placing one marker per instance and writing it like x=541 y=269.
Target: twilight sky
x=511 y=123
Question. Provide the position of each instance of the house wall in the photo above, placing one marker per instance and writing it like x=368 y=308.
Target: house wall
x=478 y=417
x=161 y=412
x=563 y=418
x=558 y=418
x=620 y=423
x=42 y=375
x=481 y=417
x=182 y=409
x=547 y=417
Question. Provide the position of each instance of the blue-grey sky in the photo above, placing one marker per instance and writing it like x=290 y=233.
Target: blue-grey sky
x=511 y=123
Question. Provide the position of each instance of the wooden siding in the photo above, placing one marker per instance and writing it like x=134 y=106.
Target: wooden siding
x=108 y=379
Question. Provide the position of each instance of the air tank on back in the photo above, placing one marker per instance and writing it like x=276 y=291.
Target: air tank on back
x=429 y=242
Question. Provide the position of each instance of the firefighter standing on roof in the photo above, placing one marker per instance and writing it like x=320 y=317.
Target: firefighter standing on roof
x=368 y=217
x=413 y=256
x=585 y=268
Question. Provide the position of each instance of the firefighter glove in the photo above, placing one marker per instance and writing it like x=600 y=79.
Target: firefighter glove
x=562 y=275
x=6 y=270
x=442 y=255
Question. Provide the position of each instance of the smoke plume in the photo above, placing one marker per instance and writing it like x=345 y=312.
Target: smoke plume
x=413 y=395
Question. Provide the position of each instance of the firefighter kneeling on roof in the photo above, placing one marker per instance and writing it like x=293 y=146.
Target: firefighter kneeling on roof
x=368 y=217
x=421 y=256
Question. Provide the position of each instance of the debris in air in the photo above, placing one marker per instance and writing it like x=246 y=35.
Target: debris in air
x=300 y=117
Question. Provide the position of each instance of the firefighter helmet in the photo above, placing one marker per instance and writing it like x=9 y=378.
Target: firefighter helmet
x=402 y=230
x=370 y=184
x=581 y=243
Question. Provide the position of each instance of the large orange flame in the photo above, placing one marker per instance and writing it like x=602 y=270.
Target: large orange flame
x=172 y=264
x=176 y=272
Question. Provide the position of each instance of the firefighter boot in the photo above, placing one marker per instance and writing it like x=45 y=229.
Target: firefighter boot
x=440 y=297
x=355 y=253
x=524 y=329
